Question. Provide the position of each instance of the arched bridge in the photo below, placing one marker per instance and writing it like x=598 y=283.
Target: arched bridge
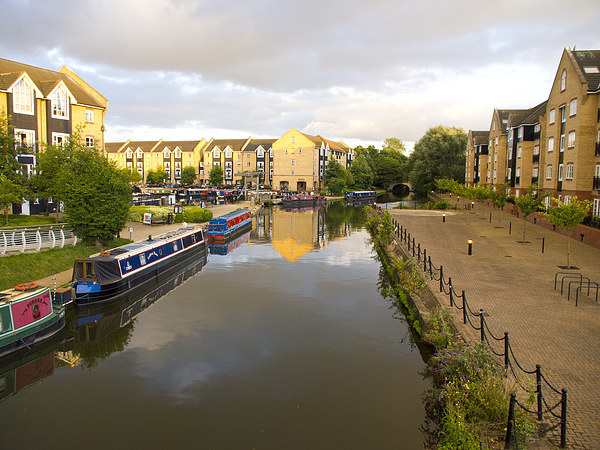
x=401 y=188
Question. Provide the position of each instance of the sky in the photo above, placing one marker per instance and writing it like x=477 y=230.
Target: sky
x=358 y=71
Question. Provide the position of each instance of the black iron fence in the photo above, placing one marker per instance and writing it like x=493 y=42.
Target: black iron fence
x=551 y=403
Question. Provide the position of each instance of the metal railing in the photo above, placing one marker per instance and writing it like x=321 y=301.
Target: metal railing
x=34 y=239
x=476 y=319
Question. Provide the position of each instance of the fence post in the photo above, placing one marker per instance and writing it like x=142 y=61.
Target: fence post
x=563 y=419
x=450 y=286
x=464 y=309
x=441 y=278
x=482 y=323
x=408 y=242
x=424 y=260
x=419 y=252
x=511 y=417
x=430 y=270
x=413 y=247
x=506 y=358
x=401 y=231
x=538 y=381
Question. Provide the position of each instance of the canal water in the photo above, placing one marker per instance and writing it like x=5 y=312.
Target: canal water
x=279 y=340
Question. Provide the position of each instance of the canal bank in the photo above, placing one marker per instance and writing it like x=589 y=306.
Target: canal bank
x=513 y=282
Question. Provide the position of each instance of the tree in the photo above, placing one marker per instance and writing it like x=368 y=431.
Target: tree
x=188 y=175
x=10 y=192
x=132 y=175
x=9 y=166
x=529 y=203
x=394 y=145
x=362 y=175
x=157 y=176
x=440 y=153
x=96 y=195
x=334 y=170
x=567 y=216
x=215 y=177
x=50 y=163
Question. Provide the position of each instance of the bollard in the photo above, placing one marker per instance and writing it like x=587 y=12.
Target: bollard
x=490 y=217
x=451 y=296
x=538 y=380
x=470 y=242
x=543 y=243
x=563 y=419
x=509 y=227
x=444 y=218
x=511 y=419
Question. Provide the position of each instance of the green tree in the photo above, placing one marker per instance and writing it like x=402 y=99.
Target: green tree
x=529 y=203
x=362 y=175
x=567 y=216
x=50 y=164
x=334 y=170
x=96 y=195
x=9 y=166
x=188 y=175
x=394 y=145
x=132 y=175
x=10 y=192
x=157 y=176
x=440 y=153
x=215 y=177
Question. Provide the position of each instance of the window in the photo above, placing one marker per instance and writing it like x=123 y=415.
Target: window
x=569 y=174
x=537 y=128
x=59 y=139
x=89 y=141
x=573 y=107
x=519 y=150
x=293 y=162
x=571 y=140
x=177 y=165
x=24 y=138
x=596 y=208
x=166 y=153
x=299 y=150
x=562 y=142
x=293 y=172
x=549 y=173
x=228 y=152
x=177 y=153
x=536 y=150
x=520 y=134
x=293 y=139
x=494 y=174
x=167 y=165
x=550 y=144
x=560 y=172
x=534 y=172
x=139 y=153
x=260 y=152
x=563 y=114
x=129 y=153
x=60 y=107
x=216 y=153
x=23 y=97
x=563 y=80
x=89 y=116
x=552 y=116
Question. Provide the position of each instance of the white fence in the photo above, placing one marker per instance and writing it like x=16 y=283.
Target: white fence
x=35 y=239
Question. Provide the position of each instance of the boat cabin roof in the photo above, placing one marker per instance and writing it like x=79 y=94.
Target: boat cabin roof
x=229 y=215
x=12 y=295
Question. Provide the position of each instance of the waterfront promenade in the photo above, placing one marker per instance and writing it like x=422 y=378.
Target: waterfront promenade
x=514 y=283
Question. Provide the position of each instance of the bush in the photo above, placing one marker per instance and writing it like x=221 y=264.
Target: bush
x=191 y=214
x=439 y=329
x=441 y=204
x=592 y=221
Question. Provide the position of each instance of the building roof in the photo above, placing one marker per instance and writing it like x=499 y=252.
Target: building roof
x=479 y=137
x=145 y=146
x=506 y=115
x=588 y=62
x=255 y=143
x=184 y=146
x=114 y=147
x=45 y=80
x=237 y=145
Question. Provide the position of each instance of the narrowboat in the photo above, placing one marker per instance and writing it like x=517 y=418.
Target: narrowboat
x=136 y=267
x=27 y=317
x=299 y=200
x=226 y=226
x=223 y=248
x=354 y=196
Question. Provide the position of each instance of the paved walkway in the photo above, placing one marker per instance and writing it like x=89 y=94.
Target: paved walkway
x=140 y=232
x=514 y=283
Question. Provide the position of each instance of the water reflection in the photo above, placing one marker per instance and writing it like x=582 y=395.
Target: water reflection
x=105 y=329
x=223 y=248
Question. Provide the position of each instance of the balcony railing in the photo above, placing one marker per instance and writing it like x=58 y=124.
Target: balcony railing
x=536 y=158
x=534 y=180
x=596 y=184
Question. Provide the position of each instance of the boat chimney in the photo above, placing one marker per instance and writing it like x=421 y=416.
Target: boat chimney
x=149 y=237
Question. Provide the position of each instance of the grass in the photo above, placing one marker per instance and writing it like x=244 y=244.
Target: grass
x=17 y=220
x=27 y=267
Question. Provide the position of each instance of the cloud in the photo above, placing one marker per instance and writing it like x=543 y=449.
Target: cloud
x=360 y=72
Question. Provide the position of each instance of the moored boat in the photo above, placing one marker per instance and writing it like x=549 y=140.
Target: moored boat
x=135 y=267
x=354 y=196
x=228 y=225
x=303 y=200
x=27 y=317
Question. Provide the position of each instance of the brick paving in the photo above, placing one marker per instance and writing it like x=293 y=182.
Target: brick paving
x=514 y=284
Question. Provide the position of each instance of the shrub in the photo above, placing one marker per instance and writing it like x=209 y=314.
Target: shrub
x=439 y=332
x=441 y=204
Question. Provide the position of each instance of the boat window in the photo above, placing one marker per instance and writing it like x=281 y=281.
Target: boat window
x=84 y=270
x=142 y=259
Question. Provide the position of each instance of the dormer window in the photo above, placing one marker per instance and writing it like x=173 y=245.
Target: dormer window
x=177 y=152
x=23 y=97
x=216 y=153
x=563 y=80
x=60 y=105
x=228 y=152
x=129 y=153
x=139 y=153
x=260 y=152
x=166 y=153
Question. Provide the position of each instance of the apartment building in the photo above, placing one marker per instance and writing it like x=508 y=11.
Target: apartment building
x=477 y=156
x=146 y=156
x=231 y=156
x=47 y=107
x=555 y=144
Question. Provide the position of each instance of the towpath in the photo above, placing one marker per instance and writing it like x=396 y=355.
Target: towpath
x=513 y=282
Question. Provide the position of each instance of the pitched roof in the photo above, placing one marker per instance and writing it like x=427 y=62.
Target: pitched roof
x=237 y=145
x=114 y=147
x=504 y=115
x=588 y=62
x=255 y=143
x=479 y=137
x=45 y=80
x=184 y=146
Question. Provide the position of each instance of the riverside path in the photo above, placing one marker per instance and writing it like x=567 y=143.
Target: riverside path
x=513 y=283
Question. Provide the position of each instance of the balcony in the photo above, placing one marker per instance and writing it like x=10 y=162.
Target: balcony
x=596 y=184
x=536 y=158
x=534 y=180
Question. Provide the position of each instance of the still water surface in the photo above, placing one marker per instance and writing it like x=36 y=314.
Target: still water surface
x=284 y=342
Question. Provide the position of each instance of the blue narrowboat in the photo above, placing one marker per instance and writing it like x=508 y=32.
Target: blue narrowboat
x=27 y=317
x=354 y=196
x=135 y=267
x=226 y=226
